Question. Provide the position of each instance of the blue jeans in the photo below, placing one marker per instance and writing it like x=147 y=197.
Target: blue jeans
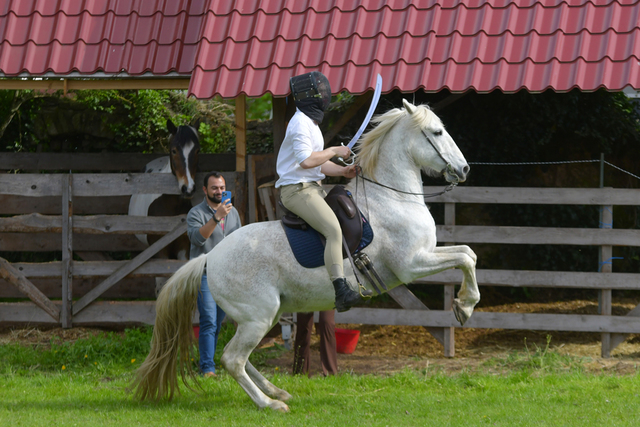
x=211 y=317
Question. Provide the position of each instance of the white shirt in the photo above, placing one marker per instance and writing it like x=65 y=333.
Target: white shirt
x=302 y=138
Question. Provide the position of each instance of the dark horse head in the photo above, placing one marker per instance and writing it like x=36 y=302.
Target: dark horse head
x=184 y=148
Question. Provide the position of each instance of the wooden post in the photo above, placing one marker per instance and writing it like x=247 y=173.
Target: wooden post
x=449 y=290
x=279 y=106
x=241 y=132
x=606 y=266
x=67 y=250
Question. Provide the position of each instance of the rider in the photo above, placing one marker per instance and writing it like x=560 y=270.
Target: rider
x=302 y=164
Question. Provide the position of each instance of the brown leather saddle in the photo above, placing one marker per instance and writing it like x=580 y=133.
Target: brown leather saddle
x=351 y=221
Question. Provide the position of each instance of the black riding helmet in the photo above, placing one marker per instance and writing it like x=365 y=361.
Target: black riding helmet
x=311 y=94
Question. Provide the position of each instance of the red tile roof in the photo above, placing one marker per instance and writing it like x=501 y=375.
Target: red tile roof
x=254 y=46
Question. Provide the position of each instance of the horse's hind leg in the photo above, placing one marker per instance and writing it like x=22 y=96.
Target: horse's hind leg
x=265 y=385
x=236 y=357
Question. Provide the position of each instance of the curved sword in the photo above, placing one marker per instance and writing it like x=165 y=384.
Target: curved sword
x=372 y=109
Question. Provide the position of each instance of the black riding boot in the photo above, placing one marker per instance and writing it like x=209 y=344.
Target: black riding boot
x=345 y=296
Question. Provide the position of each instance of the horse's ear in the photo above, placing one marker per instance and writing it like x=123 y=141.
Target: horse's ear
x=196 y=123
x=408 y=106
x=171 y=127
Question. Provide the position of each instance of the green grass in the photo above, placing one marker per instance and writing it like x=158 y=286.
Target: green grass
x=537 y=388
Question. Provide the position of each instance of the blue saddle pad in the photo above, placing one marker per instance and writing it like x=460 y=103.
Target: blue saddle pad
x=308 y=248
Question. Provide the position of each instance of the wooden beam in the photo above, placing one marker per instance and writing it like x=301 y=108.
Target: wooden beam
x=101 y=185
x=178 y=83
x=85 y=269
x=606 y=266
x=67 y=251
x=47 y=242
x=128 y=268
x=279 y=106
x=491 y=320
x=540 y=279
x=13 y=276
x=91 y=224
x=50 y=205
x=536 y=196
x=241 y=133
x=101 y=312
x=538 y=235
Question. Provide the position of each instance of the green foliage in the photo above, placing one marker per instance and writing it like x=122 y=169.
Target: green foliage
x=259 y=108
x=216 y=139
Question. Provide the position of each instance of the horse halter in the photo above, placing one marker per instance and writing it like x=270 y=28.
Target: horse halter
x=449 y=167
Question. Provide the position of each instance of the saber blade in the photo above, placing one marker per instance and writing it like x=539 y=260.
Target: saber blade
x=372 y=109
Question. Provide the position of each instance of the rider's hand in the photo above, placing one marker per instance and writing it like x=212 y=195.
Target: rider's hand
x=349 y=171
x=342 y=151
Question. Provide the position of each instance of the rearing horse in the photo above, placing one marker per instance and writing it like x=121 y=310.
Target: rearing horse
x=254 y=277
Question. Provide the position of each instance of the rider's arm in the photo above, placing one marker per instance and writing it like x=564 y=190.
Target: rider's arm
x=332 y=169
x=318 y=158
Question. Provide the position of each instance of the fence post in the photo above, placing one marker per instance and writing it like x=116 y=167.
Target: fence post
x=449 y=290
x=606 y=266
x=67 y=250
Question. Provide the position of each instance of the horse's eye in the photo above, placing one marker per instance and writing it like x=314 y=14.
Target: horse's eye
x=173 y=151
x=438 y=132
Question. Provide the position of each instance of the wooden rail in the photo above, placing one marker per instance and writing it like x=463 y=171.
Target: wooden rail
x=64 y=200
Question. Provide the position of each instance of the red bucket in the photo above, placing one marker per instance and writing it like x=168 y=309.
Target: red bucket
x=196 y=331
x=346 y=340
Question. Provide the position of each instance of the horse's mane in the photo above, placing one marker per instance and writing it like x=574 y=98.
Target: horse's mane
x=369 y=147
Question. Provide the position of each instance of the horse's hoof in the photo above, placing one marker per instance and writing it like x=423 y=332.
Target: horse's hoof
x=461 y=316
x=279 y=406
x=284 y=396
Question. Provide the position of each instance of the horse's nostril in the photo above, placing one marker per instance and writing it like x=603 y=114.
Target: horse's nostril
x=466 y=169
x=183 y=188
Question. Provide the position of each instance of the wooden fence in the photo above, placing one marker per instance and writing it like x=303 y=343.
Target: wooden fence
x=84 y=214
x=614 y=329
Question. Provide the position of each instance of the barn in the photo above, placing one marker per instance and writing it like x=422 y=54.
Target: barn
x=249 y=48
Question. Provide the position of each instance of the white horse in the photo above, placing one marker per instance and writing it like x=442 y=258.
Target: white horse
x=254 y=276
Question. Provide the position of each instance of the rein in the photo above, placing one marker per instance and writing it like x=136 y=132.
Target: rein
x=446 y=189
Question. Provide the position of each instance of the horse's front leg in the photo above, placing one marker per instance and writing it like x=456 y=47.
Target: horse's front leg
x=444 y=258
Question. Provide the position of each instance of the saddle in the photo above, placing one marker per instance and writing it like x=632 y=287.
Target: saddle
x=308 y=244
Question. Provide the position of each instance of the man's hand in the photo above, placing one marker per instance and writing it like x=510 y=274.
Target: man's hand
x=223 y=211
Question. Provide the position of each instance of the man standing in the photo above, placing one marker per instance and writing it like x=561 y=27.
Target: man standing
x=207 y=224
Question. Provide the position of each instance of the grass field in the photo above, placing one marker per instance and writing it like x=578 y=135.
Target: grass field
x=85 y=384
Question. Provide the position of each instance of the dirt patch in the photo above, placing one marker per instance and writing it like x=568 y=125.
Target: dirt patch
x=388 y=349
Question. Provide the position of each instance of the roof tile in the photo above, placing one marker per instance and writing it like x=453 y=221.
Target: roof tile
x=254 y=46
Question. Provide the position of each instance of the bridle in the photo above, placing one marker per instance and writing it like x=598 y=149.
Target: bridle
x=448 y=168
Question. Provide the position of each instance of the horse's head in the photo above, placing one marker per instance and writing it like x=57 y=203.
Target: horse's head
x=184 y=148
x=432 y=148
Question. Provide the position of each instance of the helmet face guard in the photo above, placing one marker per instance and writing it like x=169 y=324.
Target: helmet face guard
x=311 y=88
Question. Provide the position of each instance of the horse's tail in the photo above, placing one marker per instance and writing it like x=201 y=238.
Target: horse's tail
x=172 y=342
